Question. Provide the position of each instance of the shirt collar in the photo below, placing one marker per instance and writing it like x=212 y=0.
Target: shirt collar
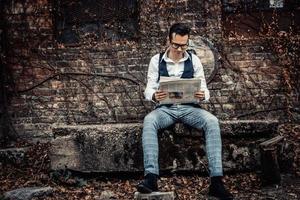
x=167 y=59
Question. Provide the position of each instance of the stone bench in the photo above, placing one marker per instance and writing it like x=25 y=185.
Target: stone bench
x=118 y=148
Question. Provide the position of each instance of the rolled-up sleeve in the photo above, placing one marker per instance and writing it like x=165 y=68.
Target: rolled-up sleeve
x=199 y=73
x=152 y=76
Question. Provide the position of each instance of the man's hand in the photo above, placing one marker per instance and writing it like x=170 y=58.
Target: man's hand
x=200 y=95
x=159 y=95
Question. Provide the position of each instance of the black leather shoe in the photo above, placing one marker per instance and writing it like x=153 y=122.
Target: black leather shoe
x=217 y=189
x=149 y=184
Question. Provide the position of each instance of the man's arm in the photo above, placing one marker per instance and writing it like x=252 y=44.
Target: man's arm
x=152 y=76
x=199 y=73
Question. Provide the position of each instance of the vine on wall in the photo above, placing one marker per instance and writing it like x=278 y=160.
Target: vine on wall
x=277 y=30
x=103 y=81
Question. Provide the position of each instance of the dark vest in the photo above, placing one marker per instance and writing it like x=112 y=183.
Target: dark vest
x=188 y=71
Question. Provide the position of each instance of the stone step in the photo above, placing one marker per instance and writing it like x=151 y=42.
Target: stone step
x=118 y=148
x=155 y=196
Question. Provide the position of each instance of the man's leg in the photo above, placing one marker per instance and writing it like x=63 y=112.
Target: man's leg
x=202 y=119
x=157 y=119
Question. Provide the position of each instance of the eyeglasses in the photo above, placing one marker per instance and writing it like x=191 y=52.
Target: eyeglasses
x=182 y=46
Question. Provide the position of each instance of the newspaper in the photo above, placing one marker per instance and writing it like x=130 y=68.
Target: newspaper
x=179 y=90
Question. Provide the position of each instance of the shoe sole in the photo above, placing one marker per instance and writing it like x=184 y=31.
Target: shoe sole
x=143 y=189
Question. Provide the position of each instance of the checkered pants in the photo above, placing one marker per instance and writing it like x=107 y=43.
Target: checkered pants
x=198 y=118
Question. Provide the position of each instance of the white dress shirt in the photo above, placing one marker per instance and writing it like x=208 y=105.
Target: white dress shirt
x=174 y=69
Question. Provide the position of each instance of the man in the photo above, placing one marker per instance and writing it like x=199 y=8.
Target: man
x=176 y=61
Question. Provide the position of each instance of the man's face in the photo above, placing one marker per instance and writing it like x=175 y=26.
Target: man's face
x=178 y=44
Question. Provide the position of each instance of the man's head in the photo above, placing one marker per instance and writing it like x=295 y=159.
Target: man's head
x=179 y=37
x=179 y=29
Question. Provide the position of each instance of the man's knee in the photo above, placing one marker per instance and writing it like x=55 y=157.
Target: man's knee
x=212 y=121
x=150 y=119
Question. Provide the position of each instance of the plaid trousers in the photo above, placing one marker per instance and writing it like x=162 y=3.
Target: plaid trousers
x=198 y=118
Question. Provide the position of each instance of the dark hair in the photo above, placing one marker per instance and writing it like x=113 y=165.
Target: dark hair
x=179 y=28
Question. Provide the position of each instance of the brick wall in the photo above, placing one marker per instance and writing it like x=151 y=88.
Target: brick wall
x=102 y=81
